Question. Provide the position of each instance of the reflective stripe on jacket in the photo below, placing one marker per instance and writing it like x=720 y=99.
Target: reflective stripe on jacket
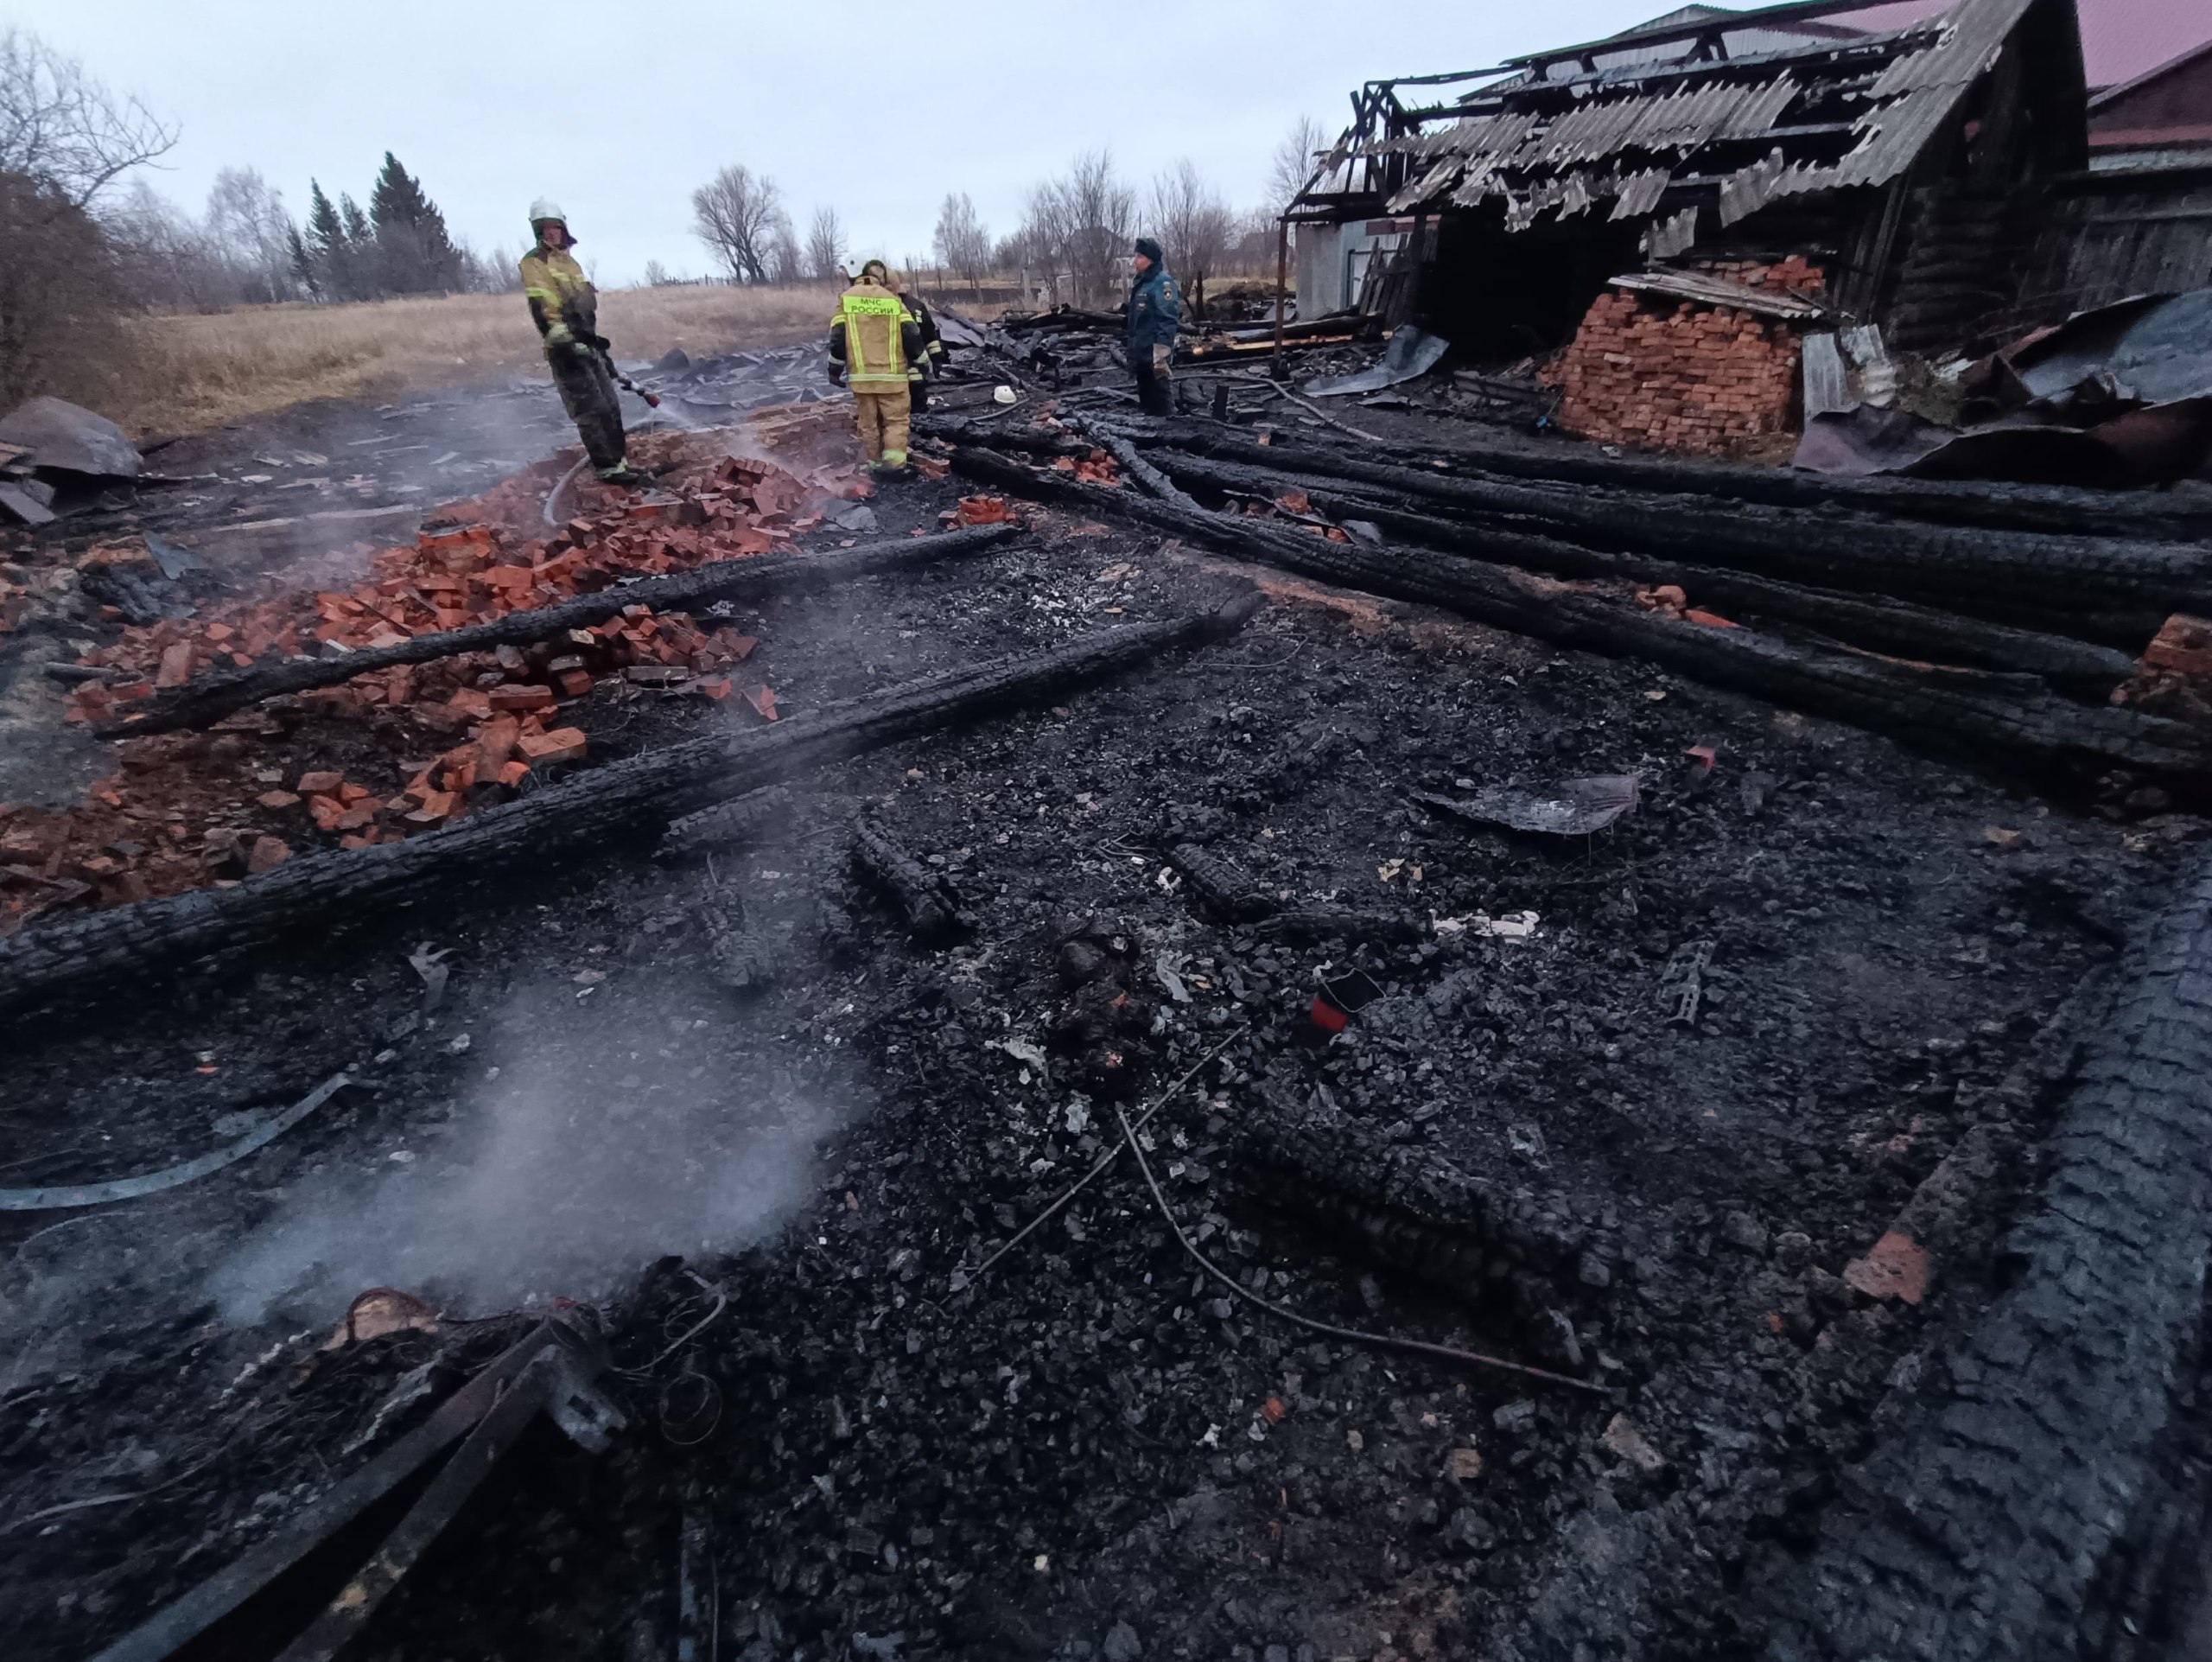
x=873 y=336
x=558 y=291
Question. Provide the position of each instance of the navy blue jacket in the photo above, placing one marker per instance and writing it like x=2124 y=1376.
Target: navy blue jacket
x=1156 y=310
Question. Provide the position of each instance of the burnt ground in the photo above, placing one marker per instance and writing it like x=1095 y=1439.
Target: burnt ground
x=769 y=1196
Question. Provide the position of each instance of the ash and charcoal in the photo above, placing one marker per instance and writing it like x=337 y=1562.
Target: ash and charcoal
x=1646 y=1041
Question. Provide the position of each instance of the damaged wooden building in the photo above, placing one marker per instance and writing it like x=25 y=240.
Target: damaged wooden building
x=1681 y=205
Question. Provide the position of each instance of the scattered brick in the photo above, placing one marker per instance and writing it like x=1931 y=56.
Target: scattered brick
x=268 y=853
x=561 y=744
x=148 y=832
x=513 y=700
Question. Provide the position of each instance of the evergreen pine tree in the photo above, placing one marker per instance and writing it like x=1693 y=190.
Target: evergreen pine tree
x=414 y=254
x=302 y=262
x=325 y=235
x=357 y=273
x=357 y=223
x=330 y=250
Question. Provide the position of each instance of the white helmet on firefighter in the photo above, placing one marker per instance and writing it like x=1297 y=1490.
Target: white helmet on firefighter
x=546 y=208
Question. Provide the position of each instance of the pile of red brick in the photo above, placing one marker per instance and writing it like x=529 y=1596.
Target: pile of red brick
x=186 y=810
x=1686 y=375
x=1096 y=468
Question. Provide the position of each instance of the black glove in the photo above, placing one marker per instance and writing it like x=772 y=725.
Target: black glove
x=836 y=373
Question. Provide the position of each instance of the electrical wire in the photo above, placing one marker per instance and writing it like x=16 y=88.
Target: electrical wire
x=1419 y=1346
x=1103 y=1161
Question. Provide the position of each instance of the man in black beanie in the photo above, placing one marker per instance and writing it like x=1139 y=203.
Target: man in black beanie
x=1155 y=310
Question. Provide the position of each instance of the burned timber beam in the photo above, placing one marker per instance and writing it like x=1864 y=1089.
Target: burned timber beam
x=2115 y=589
x=930 y=908
x=607 y=806
x=1978 y=715
x=552 y=1367
x=1874 y=621
x=1996 y=1513
x=1132 y=464
x=210 y=700
x=2064 y=509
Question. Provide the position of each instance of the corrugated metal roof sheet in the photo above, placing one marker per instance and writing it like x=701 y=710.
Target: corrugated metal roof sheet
x=1617 y=143
x=1640 y=192
x=1680 y=120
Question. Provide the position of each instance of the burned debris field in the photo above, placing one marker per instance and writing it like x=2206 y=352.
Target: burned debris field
x=1681 y=1066
x=1467 y=918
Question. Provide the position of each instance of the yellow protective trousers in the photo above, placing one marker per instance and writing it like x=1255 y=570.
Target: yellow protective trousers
x=883 y=413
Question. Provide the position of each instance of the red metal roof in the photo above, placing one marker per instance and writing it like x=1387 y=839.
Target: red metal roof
x=2122 y=39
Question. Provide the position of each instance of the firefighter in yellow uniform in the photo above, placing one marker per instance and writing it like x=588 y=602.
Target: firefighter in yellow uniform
x=926 y=364
x=873 y=339
x=565 y=307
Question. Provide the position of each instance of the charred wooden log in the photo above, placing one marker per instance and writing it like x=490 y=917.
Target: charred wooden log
x=1219 y=887
x=2062 y=510
x=1977 y=714
x=1999 y=1505
x=1421 y=1216
x=1031 y=441
x=1305 y=926
x=589 y=813
x=1132 y=464
x=931 y=908
x=2115 y=589
x=747 y=819
x=741 y=959
x=210 y=700
x=1890 y=626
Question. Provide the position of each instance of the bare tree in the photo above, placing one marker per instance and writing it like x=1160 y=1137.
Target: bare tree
x=1104 y=213
x=1194 y=226
x=825 y=245
x=736 y=213
x=964 y=242
x=166 y=260
x=499 y=273
x=786 y=260
x=61 y=303
x=1080 y=222
x=1295 y=159
x=1251 y=240
x=251 y=233
x=65 y=130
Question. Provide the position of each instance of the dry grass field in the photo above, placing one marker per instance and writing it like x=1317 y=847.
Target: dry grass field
x=188 y=372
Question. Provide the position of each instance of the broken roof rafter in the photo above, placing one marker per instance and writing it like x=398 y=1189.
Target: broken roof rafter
x=1877 y=49
x=1695 y=29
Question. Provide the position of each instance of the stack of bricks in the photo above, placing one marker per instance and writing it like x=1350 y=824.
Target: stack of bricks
x=1687 y=375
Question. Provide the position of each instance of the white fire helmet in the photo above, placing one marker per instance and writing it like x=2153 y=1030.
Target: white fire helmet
x=546 y=208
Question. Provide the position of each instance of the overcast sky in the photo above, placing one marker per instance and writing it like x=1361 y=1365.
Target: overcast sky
x=619 y=112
